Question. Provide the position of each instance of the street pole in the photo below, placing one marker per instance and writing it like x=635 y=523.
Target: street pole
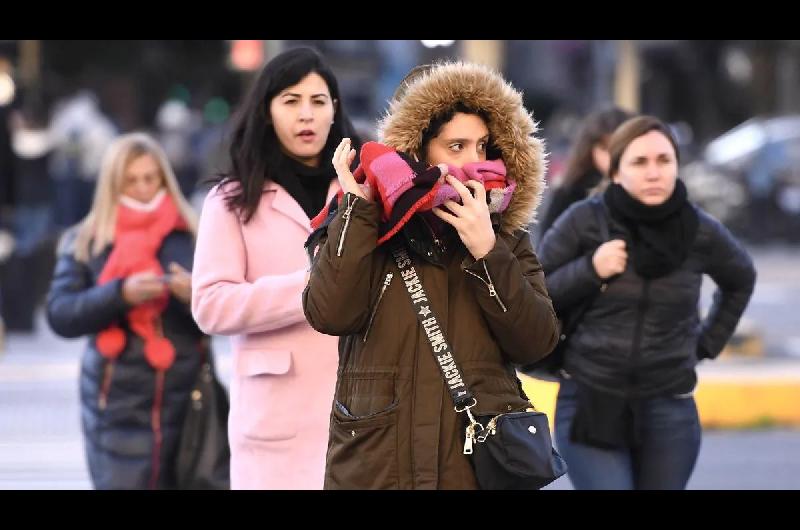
x=627 y=85
x=30 y=63
x=488 y=52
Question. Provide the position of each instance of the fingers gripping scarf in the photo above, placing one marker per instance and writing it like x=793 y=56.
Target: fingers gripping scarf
x=137 y=238
x=404 y=186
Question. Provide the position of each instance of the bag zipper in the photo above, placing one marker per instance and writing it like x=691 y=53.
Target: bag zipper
x=386 y=281
x=490 y=285
x=346 y=217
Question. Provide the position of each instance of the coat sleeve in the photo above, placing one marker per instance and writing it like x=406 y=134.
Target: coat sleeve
x=336 y=300
x=75 y=305
x=732 y=270
x=510 y=288
x=567 y=265
x=224 y=302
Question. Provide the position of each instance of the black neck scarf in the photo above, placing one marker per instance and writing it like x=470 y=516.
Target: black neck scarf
x=307 y=185
x=661 y=235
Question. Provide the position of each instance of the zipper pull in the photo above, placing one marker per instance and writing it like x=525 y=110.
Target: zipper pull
x=468 y=443
x=492 y=290
x=388 y=279
x=346 y=217
x=492 y=427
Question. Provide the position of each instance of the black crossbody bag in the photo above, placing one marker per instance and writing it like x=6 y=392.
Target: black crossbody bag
x=509 y=451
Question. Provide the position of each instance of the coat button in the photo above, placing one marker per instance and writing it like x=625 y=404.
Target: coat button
x=509 y=407
x=353 y=434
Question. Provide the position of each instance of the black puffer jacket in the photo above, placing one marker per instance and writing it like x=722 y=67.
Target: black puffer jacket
x=120 y=438
x=563 y=196
x=643 y=338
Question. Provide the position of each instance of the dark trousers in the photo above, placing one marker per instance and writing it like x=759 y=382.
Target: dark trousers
x=664 y=460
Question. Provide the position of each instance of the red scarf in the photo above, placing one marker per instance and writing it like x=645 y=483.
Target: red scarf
x=137 y=238
x=404 y=187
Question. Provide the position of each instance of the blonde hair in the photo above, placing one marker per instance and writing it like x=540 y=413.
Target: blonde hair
x=96 y=230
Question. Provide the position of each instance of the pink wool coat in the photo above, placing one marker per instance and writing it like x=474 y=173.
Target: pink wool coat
x=247 y=282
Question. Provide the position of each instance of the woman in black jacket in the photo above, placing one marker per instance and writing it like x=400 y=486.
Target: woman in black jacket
x=586 y=166
x=625 y=414
x=122 y=278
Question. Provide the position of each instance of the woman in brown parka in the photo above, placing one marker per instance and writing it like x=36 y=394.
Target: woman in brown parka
x=393 y=424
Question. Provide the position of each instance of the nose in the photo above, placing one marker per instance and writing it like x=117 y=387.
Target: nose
x=141 y=189
x=653 y=172
x=306 y=112
x=472 y=156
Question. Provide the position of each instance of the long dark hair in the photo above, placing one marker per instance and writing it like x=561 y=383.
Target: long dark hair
x=596 y=128
x=255 y=149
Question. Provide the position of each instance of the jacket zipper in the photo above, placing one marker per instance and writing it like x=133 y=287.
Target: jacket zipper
x=155 y=425
x=105 y=384
x=637 y=335
x=490 y=285
x=346 y=216
x=386 y=281
x=436 y=241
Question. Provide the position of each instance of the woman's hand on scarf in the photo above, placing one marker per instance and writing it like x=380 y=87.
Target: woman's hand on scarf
x=142 y=287
x=471 y=218
x=342 y=158
x=180 y=283
x=610 y=258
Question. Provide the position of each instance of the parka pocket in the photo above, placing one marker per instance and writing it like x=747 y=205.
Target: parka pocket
x=362 y=395
x=362 y=453
x=263 y=405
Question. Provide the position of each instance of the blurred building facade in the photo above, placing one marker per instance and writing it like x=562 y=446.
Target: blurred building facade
x=702 y=88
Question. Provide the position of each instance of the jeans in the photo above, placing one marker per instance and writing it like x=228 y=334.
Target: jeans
x=32 y=225
x=664 y=460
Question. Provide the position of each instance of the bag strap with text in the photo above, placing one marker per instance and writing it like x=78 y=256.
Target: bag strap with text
x=440 y=348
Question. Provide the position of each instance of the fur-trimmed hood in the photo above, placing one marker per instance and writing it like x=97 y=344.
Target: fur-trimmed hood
x=511 y=127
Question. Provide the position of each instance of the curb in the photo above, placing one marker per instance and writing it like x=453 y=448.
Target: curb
x=723 y=402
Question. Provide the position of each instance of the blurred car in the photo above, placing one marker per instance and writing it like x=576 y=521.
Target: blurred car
x=749 y=178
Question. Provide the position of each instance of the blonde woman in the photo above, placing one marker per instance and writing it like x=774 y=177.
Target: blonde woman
x=123 y=279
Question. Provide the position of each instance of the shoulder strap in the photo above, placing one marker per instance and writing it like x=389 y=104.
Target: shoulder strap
x=440 y=347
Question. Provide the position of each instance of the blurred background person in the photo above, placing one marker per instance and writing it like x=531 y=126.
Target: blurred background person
x=80 y=133
x=177 y=124
x=251 y=269
x=625 y=415
x=586 y=166
x=26 y=274
x=122 y=278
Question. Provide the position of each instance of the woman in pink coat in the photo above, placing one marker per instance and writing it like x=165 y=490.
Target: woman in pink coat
x=250 y=269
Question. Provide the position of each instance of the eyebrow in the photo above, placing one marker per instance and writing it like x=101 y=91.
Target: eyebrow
x=466 y=140
x=293 y=94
